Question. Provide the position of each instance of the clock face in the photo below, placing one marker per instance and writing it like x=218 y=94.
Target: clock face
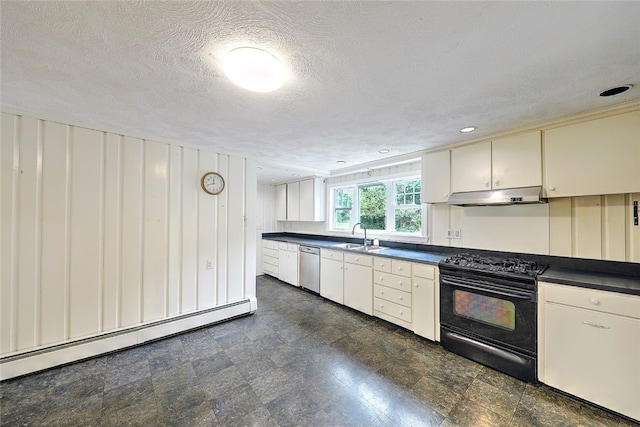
x=212 y=183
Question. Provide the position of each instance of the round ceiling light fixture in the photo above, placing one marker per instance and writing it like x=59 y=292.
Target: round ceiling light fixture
x=254 y=69
x=616 y=90
x=341 y=162
x=468 y=129
x=383 y=151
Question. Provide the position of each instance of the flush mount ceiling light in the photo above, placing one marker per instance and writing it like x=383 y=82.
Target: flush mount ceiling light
x=468 y=129
x=341 y=162
x=383 y=151
x=254 y=69
x=616 y=90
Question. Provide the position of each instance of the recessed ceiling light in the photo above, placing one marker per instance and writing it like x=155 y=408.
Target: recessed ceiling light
x=341 y=162
x=468 y=129
x=383 y=151
x=616 y=90
x=254 y=69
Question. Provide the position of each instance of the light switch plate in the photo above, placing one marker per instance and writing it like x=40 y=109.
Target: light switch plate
x=449 y=233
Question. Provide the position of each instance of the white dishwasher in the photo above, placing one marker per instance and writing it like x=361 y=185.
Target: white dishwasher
x=310 y=268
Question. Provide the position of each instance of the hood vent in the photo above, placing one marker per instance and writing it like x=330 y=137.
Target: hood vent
x=508 y=196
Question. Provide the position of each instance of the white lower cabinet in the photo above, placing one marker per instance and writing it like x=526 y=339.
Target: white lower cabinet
x=424 y=301
x=393 y=298
x=288 y=263
x=270 y=257
x=331 y=275
x=590 y=346
x=358 y=283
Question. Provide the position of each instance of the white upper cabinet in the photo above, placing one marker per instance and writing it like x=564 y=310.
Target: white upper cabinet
x=300 y=200
x=514 y=161
x=293 y=201
x=436 y=170
x=281 y=202
x=312 y=200
x=471 y=167
x=592 y=158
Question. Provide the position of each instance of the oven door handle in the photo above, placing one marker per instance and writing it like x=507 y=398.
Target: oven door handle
x=528 y=296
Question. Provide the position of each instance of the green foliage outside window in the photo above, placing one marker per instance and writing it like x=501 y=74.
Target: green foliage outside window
x=373 y=206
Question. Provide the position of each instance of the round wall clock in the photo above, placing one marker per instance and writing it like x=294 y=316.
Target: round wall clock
x=212 y=183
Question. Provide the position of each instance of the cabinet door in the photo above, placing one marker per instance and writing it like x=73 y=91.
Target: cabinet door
x=331 y=279
x=471 y=167
x=293 y=201
x=281 y=202
x=307 y=202
x=424 y=306
x=288 y=267
x=358 y=287
x=436 y=171
x=516 y=161
x=593 y=158
x=594 y=356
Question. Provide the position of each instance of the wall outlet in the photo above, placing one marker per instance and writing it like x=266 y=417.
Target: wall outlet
x=209 y=264
x=457 y=233
x=449 y=233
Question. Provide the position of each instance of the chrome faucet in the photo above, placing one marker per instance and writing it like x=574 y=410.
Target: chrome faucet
x=353 y=231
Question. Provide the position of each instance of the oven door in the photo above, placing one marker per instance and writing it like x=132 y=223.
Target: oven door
x=495 y=310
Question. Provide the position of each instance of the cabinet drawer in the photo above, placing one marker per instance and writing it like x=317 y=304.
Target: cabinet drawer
x=606 y=302
x=270 y=252
x=283 y=245
x=365 y=260
x=393 y=295
x=424 y=270
x=270 y=260
x=271 y=244
x=270 y=269
x=391 y=280
x=292 y=247
x=401 y=268
x=382 y=264
x=337 y=255
x=392 y=309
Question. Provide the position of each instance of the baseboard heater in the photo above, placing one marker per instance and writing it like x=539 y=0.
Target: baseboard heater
x=16 y=365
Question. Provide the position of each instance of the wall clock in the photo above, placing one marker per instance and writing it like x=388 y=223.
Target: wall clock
x=212 y=183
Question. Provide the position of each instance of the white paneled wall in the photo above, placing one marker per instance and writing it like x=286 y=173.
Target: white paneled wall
x=597 y=227
x=100 y=232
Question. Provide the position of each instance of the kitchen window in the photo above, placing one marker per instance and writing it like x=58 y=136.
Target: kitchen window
x=391 y=206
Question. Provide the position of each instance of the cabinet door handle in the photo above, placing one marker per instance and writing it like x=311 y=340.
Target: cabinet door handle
x=594 y=301
x=595 y=325
x=497 y=182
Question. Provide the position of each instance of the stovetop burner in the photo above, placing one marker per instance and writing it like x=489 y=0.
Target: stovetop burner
x=494 y=264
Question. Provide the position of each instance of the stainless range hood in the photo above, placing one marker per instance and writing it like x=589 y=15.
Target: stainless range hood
x=508 y=196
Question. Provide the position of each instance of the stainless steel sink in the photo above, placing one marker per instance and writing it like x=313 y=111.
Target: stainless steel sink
x=356 y=247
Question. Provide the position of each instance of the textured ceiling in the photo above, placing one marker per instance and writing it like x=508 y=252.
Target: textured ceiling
x=362 y=75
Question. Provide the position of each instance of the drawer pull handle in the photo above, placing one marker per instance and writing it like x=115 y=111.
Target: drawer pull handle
x=400 y=313
x=400 y=297
x=381 y=292
x=595 y=301
x=595 y=325
x=381 y=305
x=416 y=285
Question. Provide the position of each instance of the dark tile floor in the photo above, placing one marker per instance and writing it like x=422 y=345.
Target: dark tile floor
x=299 y=361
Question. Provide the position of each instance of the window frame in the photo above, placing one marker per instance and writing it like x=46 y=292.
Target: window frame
x=389 y=232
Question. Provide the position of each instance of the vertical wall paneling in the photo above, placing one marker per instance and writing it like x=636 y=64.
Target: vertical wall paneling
x=100 y=232
x=174 y=272
x=9 y=178
x=560 y=236
x=439 y=219
x=131 y=255
x=190 y=233
x=86 y=240
x=207 y=220
x=55 y=247
x=111 y=287
x=632 y=231
x=236 y=221
x=28 y=252
x=613 y=230
x=155 y=231
x=249 y=190
x=587 y=227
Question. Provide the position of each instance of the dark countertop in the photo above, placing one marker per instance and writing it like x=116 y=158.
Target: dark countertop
x=591 y=279
x=620 y=277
